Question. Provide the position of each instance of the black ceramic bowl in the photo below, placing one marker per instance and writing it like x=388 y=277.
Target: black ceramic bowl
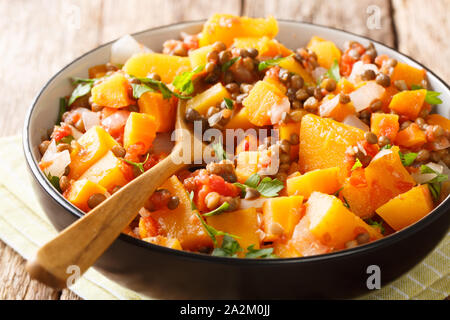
x=161 y=272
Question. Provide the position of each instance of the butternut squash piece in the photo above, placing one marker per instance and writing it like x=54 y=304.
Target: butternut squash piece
x=80 y=191
x=241 y=223
x=112 y=92
x=326 y=51
x=411 y=137
x=274 y=80
x=208 y=98
x=165 y=242
x=198 y=57
x=246 y=165
x=321 y=180
x=411 y=75
x=408 y=103
x=266 y=47
x=383 y=124
x=318 y=136
x=166 y=66
x=181 y=223
x=333 y=223
x=106 y=172
x=407 y=208
x=140 y=128
x=385 y=177
x=281 y=215
x=260 y=101
x=437 y=119
x=90 y=148
x=332 y=108
x=226 y=27
x=291 y=65
x=344 y=86
x=163 y=110
x=239 y=120
x=97 y=71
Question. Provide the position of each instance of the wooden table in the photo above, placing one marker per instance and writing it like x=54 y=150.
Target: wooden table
x=38 y=37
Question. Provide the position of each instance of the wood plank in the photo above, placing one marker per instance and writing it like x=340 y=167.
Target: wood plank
x=423 y=29
x=121 y=17
x=345 y=14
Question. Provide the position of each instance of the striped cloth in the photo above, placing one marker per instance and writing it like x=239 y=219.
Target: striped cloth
x=24 y=227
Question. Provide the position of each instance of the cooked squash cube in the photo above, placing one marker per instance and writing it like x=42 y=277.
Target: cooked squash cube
x=80 y=191
x=106 y=172
x=321 y=180
x=166 y=66
x=113 y=92
x=383 y=124
x=239 y=120
x=163 y=110
x=198 y=57
x=327 y=52
x=411 y=75
x=181 y=223
x=281 y=215
x=408 y=103
x=333 y=223
x=411 y=137
x=91 y=146
x=266 y=47
x=332 y=108
x=407 y=208
x=140 y=128
x=246 y=165
x=291 y=65
x=208 y=98
x=226 y=27
x=242 y=223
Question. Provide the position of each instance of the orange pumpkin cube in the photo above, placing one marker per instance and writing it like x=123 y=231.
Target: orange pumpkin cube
x=383 y=124
x=210 y=97
x=165 y=242
x=437 y=119
x=198 y=57
x=113 y=92
x=239 y=120
x=246 y=165
x=332 y=108
x=80 y=191
x=411 y=75
x=327 y=52
x=321 y=180
x=410 y=137
x=291 y=65
x=163 y=110
x=266 y=47
x=140 y=128
x=408 y=103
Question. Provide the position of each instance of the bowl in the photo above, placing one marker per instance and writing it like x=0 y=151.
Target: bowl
x=163 y=273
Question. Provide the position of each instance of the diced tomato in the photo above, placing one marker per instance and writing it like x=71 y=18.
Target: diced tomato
x=106 y=112
x=191 y=41
x=115 y=124
x=381 y=59
x=134 y=152
x=371 y=149
x=60 y=132
x=148 y=227
x=127 y=170
x=347 y=61
x=152 y=161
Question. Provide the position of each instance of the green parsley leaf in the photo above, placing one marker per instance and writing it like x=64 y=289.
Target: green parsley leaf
x=345 y=202
x=62 y=109
x=77 y=80
x=266 y=253
x=386 y=147
x=230 y=247
x=241 y=186
x=229 y=103
x=407 y=158
x=191 y=199
x=161 y=87
x=435 y=184
x=253 y=181
x=139 y=165
x=271 y=62
x=140 y=89
x=223 y=207
x=183 y=82
x=81 y=90
x=357 y=164
x=336 y=194
x=54 y=180
x=334 y=72
x=376 y=224
x=229 y=63
x=431 y=97
x=270 y=188
x=219 y=151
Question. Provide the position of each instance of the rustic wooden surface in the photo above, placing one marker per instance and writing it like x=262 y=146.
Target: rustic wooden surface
x=38 y=37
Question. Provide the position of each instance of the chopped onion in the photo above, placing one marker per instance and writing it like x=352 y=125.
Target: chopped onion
x=435 y=167
x=354 y=121
x=277 y=110
x=364 y=96
x=163 y=143
x=328 y=106
x=422 y=178
x=124 y=48
x=358 y=69
x=257 y=203
x=58 y=164
x=440 y=168
x=90 y=119
x=76 y=134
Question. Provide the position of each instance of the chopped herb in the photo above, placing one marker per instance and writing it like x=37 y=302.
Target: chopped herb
x=334 y=72
x=229 y=103
x=386 y=147
x=270 y=188
x=183 y=82
x=336 y=194
x=253 y=181
x=407 y=158
x=218 y=210
x=229 y=63
x=271 y=62
x=54 y=180
x=139 y=165
x=212 y=232
x=344 y=201
x=140 y=89
x=62 y=109
x=161 y=87
x=266 y=253
x=219 y=151
x=76 y=80
x=357 y=164
x=435 y=184
x=432 y=97
x=81 y=90
x=230 y=247
x=191 y=199
x=67 y=139
x=376 y=224
x=241 y=186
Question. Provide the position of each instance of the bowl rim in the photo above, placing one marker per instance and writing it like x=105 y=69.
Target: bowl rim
x=396 y=237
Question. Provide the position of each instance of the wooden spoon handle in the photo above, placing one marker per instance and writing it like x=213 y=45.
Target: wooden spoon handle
x=81 y=244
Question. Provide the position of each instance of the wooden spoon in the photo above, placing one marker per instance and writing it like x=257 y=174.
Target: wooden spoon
x=83 y=242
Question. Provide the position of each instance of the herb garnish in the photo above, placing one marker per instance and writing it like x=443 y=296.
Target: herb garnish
x=432 y=97
x=183 y=82
x=376 y=224
x=407 y=158
x=54 y=180
x=266 y=253
x=230 y=247
x=229 y=103
x=219 y=151
x=77 y=80
x=435 y=184
x=334 y=71
x=229 y=63
x=223 y=207
x=139 y=165
x=211 y=231
x=161 y=87
x=271 y=62
x=67 y=139
x=140 y=89
x=267 y=187
x=62 y=109
x=386 y=147
x=81 y=90
x=357 y=164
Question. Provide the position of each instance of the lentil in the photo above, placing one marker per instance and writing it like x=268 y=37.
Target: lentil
x=173 y=203
x=95 y=199
x=44 y=146
x=368 y=75
x=423 y=155
x=383 y=141
x=251 y=193
x=294 y=139
x=311 y=104
x=344 y=98
x=383 y=80
x=371 y=137
x=64 y=183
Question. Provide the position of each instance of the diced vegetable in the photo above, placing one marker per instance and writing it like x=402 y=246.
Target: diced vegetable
x=333 y=223
x=407 y=208
x=281 y=215
x=226 y=27
x=166 y=66
x=163 y=110
x=246 y=165
x=208 y=98
x=353 y=121
x=383 y=124
x=412 y=76
x=112 y=92
x=332 y=108
x=437 y=119
x=198 y=57
x=239 y=120
x=140 y=128
x=365 y=95
x=291 y=65
x=412 y=136
x=408 y=103
x=321 y=180
x=80 y=192
x=326 y=51
x=54 y=163
x=266 y=47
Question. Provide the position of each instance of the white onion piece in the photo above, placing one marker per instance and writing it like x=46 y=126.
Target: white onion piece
x=446 y=170
x=163 y=143
x=359 y=68
x=58 y=164
x=318 y=72
x=328 y=106
x=422 y=178
x=435 y=167
x=124 y=48
x=50 y=153
x=76 y=134
x=277 y=110
x=364 y=96
x=90 y=119
x=354 y=121
x=257 y=203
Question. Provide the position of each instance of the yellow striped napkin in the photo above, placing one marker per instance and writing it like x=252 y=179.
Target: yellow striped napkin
x=24 y=227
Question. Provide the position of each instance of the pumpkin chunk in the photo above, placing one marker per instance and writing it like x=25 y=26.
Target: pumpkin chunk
x=383 y=124
x=411 y=137
x=140 y=128
x=80 y=192
x=409 y=74
x=163 y=110
x=112 y=92
x=322 y=180
x=211 y=97
x=408 y=103
x=327 y=52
